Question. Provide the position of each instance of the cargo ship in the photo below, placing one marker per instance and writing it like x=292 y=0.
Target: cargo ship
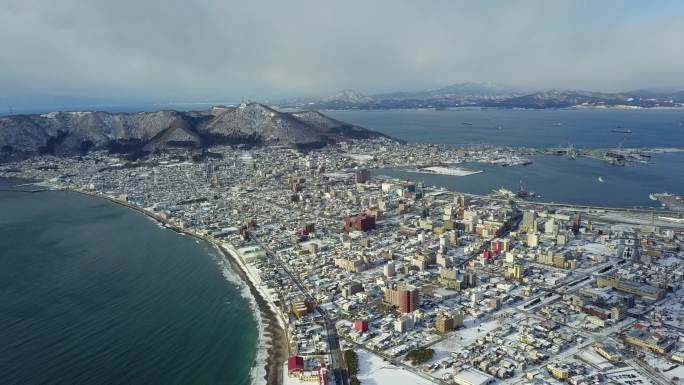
x=621 y=130
x=524 y=194
x=657 y=196
x=503 y=193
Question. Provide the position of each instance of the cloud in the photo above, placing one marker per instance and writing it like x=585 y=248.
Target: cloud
x=213 y=49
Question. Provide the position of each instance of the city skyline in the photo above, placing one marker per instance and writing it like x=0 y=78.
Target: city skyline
x=342 y=193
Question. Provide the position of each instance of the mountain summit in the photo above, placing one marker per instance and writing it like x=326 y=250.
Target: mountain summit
x=69 y=133
x=348 y=96
x=471 y=94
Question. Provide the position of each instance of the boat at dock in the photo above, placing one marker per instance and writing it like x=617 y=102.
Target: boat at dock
x=670 y=201
x=524 y=194
x=503 y=193
x=657 y=196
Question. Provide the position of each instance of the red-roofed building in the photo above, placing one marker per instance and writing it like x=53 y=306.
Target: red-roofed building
x=307 y=370
x=362 y=222
x=323 y=375
x=496 y=247
x=486 y=256
x=295 y=364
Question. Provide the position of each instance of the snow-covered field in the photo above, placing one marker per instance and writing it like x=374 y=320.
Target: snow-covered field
x=597 y=248
x=360 y=157
x=374 y=371
x=463 y=337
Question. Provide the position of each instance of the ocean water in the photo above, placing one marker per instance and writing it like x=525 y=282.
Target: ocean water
x=557 y=179
x=561 y=180
x=583 y=128
x=94 y=293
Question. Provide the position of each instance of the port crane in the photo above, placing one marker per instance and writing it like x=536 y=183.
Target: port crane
x=568 y=151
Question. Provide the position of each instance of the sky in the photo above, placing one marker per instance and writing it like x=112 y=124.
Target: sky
x=215 y=50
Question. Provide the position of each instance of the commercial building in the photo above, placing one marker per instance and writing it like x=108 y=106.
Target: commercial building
x=517 y=271
x=361 y=325
x=300 y=308
x=404 y=298
x=608 y=351
x=646 y=291
x=447 y=322
x=351 y=288
x=389 y=270
x=403 y=324
x=362 y=175
x=559 y=371
x=361 y=222
x=306 y=370
x=576 y=223
x=307 y=229
x=457 y=280
x=473 y=376
x=654 y=342
x=352 y=265
x=444 y=323
x=529 y=222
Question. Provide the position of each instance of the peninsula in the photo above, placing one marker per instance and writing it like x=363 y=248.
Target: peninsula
x=365 y=279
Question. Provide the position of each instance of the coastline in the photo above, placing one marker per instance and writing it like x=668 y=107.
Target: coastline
x=273 y=335
x=450 y=171
x=278 y=349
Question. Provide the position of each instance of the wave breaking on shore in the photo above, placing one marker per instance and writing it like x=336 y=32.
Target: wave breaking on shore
x=260 y=364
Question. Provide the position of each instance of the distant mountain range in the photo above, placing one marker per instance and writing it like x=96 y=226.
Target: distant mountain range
x=71 y=133
x=490 y=95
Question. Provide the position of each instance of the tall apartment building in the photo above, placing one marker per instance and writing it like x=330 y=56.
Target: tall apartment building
x=529 y=221
x=404 y=298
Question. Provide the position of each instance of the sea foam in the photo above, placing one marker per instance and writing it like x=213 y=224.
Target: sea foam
x=258 y=371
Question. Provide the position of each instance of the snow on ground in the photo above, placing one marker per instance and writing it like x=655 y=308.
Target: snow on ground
x=673 y=307
x=628 y=376
x=635 y=219
x=597 y=248
x=360 y=157
x=591 y=357
x=463 y=337
x=373 y=370
x=288 y=380
x=676 y=372
x=668 y=368
x=294 y=380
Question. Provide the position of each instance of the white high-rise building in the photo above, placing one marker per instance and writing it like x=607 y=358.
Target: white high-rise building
x=389 y=269
x=403 y=323
x=550 y=227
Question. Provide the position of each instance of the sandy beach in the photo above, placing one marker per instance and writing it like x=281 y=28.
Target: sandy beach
x=278 y=350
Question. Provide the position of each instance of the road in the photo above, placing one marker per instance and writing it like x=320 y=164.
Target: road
x=337 y=363
x=512 y=224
